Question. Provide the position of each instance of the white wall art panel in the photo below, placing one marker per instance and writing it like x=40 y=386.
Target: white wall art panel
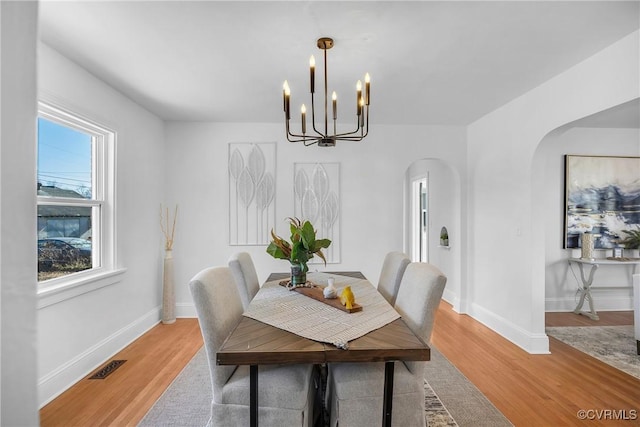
x=252 y=189
x=316 y=189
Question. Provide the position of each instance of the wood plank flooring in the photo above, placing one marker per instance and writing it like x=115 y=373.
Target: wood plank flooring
x=607 y=318
x=535 y=390
x=125 y=396
x=530 y=390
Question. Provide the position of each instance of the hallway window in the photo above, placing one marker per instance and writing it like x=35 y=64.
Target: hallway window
x=74 y=195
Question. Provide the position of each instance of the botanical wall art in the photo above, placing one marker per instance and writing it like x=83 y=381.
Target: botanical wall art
x=602 y=198
x=252 y=188
x=316 y=189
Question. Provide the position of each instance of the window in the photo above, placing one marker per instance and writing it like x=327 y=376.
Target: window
x=75 y=173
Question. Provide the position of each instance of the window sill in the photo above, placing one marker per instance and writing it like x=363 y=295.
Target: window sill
x=67 y=288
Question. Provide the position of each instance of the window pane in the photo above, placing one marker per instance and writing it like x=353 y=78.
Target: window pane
x=64 y=240
x=64 y=161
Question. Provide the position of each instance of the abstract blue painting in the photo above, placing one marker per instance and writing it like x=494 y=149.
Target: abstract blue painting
x=602 y=197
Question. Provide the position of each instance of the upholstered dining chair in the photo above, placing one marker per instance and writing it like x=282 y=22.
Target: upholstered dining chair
x=393 y=268
x=244 y=273
x=354 y=390
x=285 y=392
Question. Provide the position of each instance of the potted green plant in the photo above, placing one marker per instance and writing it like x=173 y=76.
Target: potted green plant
x=444 y=237
x=632 y=241
x=302 y=247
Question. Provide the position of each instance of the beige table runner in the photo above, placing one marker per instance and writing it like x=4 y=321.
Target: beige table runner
x=308 y=318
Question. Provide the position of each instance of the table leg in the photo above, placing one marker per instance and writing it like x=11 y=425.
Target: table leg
x=585 y=292
x=253 y=395
x=387 y=401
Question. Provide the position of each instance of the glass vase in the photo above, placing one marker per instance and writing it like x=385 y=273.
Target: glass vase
x=298 y=275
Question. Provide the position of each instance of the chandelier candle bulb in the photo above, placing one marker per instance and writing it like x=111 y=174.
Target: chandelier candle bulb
x=367 y=85
x=287 y=97
x=303 y=111
x=334 y=100
x=359 y=96
x=284 y=96
x=312 y=73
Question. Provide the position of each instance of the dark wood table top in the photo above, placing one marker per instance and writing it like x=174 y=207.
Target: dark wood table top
x=256 y=343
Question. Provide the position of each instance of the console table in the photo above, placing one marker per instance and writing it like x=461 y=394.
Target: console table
x=585 y=292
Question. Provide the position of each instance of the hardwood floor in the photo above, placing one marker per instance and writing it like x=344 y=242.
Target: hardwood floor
x=530 y=390
x=125 y=396
x=535 y=390
x=607 y=318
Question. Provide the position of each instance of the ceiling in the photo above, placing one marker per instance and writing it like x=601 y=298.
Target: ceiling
x=430 y=62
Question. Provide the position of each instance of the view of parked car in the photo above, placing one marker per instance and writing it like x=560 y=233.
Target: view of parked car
x=63 y=251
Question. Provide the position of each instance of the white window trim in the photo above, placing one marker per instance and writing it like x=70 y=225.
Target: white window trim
x=66 y=287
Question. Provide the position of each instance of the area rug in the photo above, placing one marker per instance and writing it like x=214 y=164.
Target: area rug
x=613 y=345
x=450 y=399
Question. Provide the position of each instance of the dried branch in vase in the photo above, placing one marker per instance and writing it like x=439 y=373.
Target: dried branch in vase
x=164 y=226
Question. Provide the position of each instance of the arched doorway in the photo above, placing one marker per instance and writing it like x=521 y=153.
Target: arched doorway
x=432 y=201
x=612 y=132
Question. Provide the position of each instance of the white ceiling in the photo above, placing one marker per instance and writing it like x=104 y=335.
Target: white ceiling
x=430 y=62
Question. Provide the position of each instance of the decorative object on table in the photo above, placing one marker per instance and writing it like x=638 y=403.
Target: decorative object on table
x=617 y=252
x=317 y=293
x=318 y=136
x=300 y=250
x=347 y=298
x=316 y=189
x=444 y=237
x=168 y=287
x=252 y=187
x=601 y=195
x=587 y=242
x=632 y=240
x=330 y=291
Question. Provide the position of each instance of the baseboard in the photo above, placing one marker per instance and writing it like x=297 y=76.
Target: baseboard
x=184 y=309
x=57 y=381
x=601 y=303
x=452 y=299
x=529 y=342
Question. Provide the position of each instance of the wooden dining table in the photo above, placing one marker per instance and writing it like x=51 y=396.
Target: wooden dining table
x=256 y=343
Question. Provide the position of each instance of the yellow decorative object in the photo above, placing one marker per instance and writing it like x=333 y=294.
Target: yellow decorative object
x=347 y=298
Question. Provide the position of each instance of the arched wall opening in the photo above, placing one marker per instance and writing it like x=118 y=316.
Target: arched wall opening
x=444 y=210
x=611 y=132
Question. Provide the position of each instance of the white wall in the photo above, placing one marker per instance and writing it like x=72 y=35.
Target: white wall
x=506 y=262
x=77 y=335
x=372 y=192
x=18 y=23
x=611 y=288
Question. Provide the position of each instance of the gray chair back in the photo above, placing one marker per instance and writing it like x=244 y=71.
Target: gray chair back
x=219 y=310
x=393 y=268
x=419 y=295
x=244 y=273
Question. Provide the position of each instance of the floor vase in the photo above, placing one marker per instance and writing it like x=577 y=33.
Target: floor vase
x=168 y=290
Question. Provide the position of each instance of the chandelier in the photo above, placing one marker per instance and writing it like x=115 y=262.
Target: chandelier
x=320 y=136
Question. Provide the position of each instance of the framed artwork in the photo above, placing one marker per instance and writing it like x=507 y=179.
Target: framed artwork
x=252 y=189
x=602 y=197
x=316 y=188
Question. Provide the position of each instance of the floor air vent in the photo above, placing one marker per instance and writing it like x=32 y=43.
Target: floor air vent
x=106 y=370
